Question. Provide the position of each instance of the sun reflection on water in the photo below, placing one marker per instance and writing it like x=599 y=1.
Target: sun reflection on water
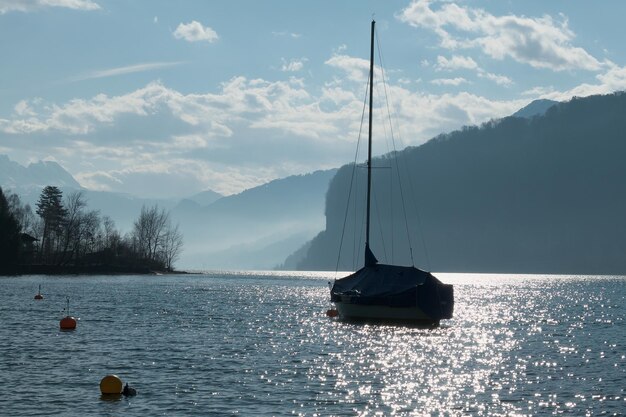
x=260 y=344
x=513 y=348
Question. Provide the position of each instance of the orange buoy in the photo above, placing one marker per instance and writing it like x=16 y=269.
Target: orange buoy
x=111 y=385
x=332 y=312
x=39 y=296
x=68 y=323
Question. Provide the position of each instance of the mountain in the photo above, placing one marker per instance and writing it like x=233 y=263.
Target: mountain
x=27 y=183
x=519 y=195
x=535 y=108
x=205 y=198
x=257 y=228
x=36 y=175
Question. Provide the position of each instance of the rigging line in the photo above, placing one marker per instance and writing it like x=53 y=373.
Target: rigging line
x=395 y=153
x=418 y=218
x=380 y=226
x=359 y=226
x=402 y=157
x=356 y=155
x=357 y=259
x=355 y=216
x=392 y=228
x=386 y=136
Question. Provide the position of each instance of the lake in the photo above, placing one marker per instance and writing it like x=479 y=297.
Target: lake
x=260 y=344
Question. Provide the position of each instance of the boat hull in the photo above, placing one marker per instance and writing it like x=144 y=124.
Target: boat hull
x=382 y=313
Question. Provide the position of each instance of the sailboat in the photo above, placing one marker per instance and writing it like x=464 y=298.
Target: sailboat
x=390 y=293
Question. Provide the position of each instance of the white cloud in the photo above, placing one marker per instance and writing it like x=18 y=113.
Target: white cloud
x=458 y=62
x=614 y=79
x=357 y=69
x=449 y=81
x=538 y=91
x=293 y=65
x=195 y=32
x=498 y=79
x=337 y=95
x=213 y=140
x=540 y=42
x=247 y=131
x=26 y=6
x=129 y=69
x=98 y=180
x=158 y=124
x=23 y=109
x=287 y=34
x=455 y=63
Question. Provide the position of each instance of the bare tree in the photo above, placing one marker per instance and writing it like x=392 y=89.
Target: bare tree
x=87 y=237
x=23 y=213
x=155 y=239
x=71 y=225
x=149 y=231
x=172 y=246
x=111 y=238
x=72 y=235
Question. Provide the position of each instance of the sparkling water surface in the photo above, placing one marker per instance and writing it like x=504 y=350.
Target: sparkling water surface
x=260 y=344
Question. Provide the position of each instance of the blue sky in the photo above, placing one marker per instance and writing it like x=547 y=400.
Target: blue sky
x=164 y=98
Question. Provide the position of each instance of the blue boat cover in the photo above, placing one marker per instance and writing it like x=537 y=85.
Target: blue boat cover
x=396 y=286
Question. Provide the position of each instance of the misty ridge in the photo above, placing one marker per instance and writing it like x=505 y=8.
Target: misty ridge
x=541 y=191
x=255 y=229
x=537 y=194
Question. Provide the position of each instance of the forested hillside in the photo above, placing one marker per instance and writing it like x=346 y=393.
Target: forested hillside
x=545 y=194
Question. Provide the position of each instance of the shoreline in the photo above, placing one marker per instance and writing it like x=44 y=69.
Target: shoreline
x=52 y=270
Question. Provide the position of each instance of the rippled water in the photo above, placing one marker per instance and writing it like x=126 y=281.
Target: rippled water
x=260 y=344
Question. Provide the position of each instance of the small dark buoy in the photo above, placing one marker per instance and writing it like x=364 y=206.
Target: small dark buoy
x=129 y=391
x=68 y=322
x=39 y=296
x=332 y=312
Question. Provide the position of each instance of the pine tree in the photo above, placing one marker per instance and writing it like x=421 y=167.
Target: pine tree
x=50 y=209
x=9 y=235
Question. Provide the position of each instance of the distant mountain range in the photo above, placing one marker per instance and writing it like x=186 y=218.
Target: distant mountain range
x=543 y=191
x=35 y=175
x=255 y=229
x=203 y=198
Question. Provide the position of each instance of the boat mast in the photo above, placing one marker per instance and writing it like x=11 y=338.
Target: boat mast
x=370 y=259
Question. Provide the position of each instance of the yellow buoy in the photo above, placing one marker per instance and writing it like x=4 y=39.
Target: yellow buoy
x=111 y=385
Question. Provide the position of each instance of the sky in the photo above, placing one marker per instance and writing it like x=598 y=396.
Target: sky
x=168 y=98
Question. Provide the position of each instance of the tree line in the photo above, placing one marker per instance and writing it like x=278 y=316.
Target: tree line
x=61 y=232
